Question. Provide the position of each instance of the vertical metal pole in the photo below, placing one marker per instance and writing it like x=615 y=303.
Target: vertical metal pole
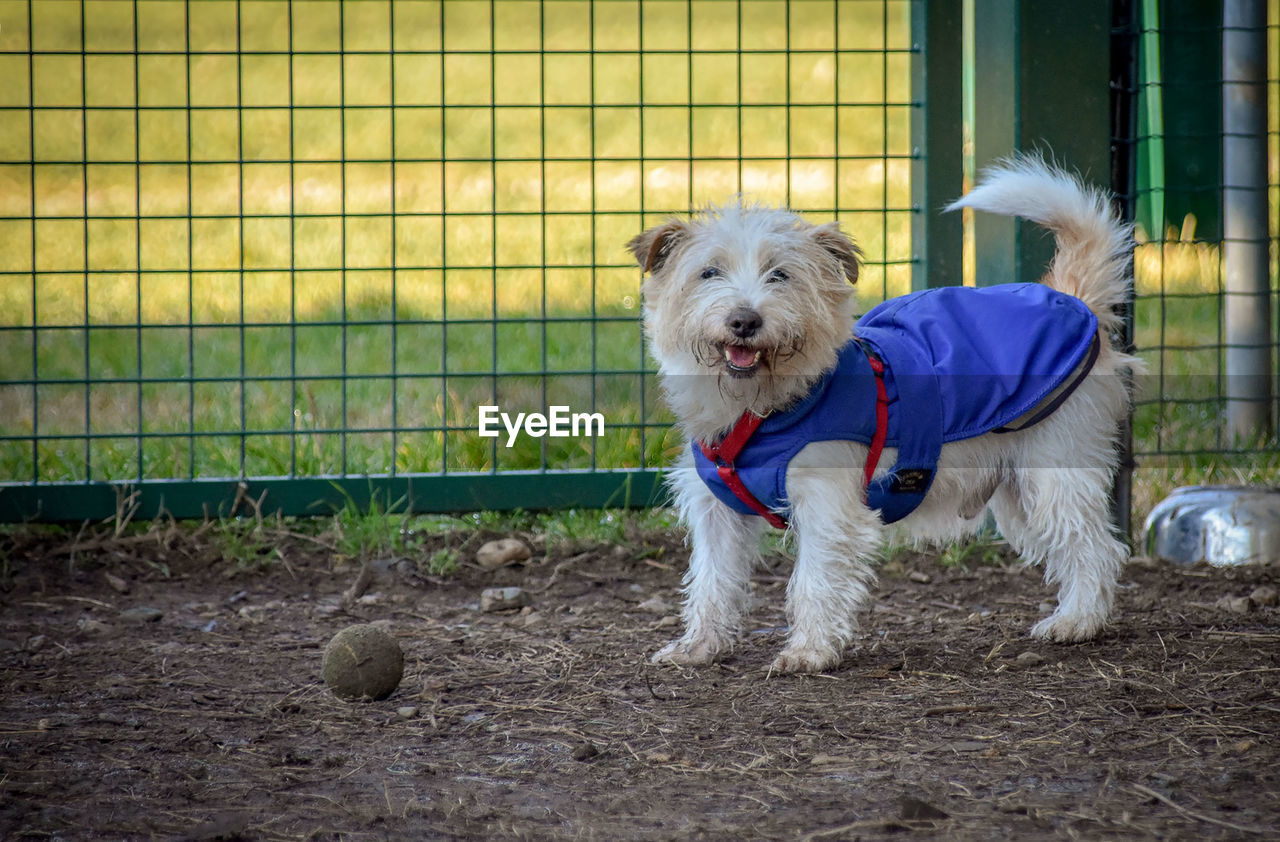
x=1040 y=83
x=1152 y=161
x=937 y=133
x=995 y=131
x=1125 y=35
x=1245 y=222
x=36 y=392
x=1063 y=101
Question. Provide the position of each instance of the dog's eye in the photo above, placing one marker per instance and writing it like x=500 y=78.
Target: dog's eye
x=777 y=276
x=709 y=273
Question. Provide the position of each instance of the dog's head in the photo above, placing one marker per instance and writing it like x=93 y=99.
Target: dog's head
x=745 y=307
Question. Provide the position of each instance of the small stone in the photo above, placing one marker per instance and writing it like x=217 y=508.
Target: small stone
x=503 y=599
x=1265 y=596
x=585 y=751
x=142 y=614
x=920 y=576
x=668 y=621
x=117 y=584
x=534 y=618
x=89 y=625
x=502 y=552
x=1235 y=604
x=654 y=605
x=407 y=712
x=1029 y=659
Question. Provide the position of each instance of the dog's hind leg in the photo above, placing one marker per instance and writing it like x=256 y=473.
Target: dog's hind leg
x=725 y=549
x=1065 y=524
x=1011 y=518
x=838 y=535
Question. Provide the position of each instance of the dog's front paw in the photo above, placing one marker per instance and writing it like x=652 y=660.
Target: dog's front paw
x=691 y=651
x=795 y=659
x=1069 y=628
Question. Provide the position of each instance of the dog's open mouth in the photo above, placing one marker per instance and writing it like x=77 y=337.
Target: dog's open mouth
x=741 y=360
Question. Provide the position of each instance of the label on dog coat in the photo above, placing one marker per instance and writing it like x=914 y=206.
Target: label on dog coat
x=959 y=362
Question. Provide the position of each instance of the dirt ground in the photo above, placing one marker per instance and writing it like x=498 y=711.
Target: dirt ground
x=148 y=691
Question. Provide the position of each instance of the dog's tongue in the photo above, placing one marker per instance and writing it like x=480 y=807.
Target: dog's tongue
x=741 y=356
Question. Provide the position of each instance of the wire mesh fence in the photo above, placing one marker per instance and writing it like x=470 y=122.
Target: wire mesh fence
x=1182 y=294
x=309 y=240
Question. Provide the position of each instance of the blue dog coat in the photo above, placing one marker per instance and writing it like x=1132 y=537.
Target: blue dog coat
x=958 y=362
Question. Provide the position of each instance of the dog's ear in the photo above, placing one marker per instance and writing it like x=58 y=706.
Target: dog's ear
x=831 y=238
x=653 y=247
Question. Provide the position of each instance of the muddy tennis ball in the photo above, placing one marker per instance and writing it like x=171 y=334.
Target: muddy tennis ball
x=363 y=662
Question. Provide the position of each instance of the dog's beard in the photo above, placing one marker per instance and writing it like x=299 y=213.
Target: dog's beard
x=709 y=354
x=705 y=353
x=736 y=388
x=759 y=389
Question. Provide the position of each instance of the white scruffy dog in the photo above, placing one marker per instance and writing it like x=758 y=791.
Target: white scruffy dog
x=747 y=308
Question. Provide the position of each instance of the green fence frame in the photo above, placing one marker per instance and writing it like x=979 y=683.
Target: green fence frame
x=110 y=400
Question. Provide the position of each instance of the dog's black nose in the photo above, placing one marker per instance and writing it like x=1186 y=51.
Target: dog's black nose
x=744 y=322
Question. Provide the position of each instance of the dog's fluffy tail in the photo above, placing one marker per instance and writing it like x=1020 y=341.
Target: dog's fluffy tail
x=1093 y=246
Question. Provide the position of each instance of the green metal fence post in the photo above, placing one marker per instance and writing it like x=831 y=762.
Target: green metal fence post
x=1126 y=29
x=994 y=129
x=1040 y=82
x=1063 y=100
x=937 y=141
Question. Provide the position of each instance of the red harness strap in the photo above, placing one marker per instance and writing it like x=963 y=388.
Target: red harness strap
x=882 y=424
x=724 y=453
